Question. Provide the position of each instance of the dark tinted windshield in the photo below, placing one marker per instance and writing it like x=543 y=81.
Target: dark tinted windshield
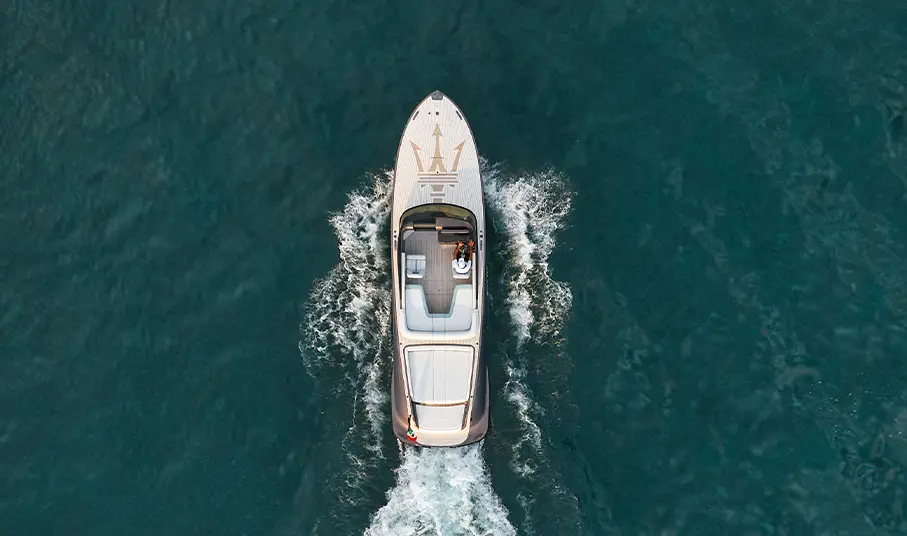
x=439 y=215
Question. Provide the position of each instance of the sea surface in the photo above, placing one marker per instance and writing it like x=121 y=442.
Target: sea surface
x=698 y=311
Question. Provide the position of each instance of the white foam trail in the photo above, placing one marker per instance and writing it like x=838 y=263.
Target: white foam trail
x=526 y=503
x=518 y=395
x=442 y=492
x=346 y=314
x=530 y=209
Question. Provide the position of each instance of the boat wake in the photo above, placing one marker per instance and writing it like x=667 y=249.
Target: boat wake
x=345 y=332
x=442 y=491
x=528 y=211
x=346 y=337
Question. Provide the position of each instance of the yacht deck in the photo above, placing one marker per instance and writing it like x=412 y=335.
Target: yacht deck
x=438 y=282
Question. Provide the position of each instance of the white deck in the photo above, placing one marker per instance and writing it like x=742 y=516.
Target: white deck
x=437 y=161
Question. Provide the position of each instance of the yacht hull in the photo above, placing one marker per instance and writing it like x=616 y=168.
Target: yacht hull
x=439 y=386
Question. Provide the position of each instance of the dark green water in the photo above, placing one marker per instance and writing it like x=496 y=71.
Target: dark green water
x=699 y=323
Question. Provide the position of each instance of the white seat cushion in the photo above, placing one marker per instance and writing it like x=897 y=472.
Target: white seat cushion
x=459 y=318
x=415 y=266
x=417 y=317
x=461 y=307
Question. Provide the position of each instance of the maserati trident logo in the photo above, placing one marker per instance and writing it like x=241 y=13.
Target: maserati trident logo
x=437 y=178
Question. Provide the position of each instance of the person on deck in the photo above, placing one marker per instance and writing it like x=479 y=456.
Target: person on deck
x=464 y=251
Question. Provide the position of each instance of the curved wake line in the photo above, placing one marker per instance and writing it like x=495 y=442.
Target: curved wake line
x=442 y=492
x=518 y=395
x=530 y=209
x=346 y=314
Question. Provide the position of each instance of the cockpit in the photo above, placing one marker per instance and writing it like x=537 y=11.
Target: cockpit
x=437 y=256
